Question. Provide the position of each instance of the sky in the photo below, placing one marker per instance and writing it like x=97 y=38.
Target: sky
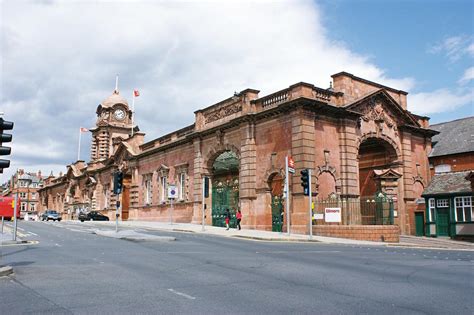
x=59 y=60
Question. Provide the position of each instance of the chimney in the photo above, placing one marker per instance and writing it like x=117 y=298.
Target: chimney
x=39 y=174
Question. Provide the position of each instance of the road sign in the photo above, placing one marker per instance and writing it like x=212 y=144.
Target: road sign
x=291 y=165
x=332 y=214
x=172 y=191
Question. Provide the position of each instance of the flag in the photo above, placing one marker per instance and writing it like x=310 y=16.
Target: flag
x=82 y=129
x=136 y=93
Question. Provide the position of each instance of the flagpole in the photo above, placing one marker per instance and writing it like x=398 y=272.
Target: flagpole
x=133 y=108
x=79 y=146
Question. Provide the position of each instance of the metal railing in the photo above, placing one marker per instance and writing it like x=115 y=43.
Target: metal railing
x=359 y=211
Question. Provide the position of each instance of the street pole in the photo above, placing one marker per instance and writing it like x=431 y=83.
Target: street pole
x=117 y=213
x=15 y=224
x=287 y=188
x=3 y=220
x=171 y=212
x=310 y=210
x=203 y=201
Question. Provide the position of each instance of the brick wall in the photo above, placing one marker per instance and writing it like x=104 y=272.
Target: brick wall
x=376 y=233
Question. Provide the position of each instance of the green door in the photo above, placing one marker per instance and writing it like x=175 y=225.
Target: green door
x=277 y=210
x=442 y=222
x=225 y=195
x=419 y=223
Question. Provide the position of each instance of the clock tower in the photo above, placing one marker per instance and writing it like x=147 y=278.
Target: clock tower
x=114 y=121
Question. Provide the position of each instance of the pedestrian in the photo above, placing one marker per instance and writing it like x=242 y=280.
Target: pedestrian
x=227 y=218
x=239 y=218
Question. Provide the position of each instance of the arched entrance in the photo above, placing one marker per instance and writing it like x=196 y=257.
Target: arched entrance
x=374 y=155
x=225 y=187
x=378 y=181
x=276 y=183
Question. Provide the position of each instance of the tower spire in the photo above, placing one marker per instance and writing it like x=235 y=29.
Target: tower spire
x=116 y=91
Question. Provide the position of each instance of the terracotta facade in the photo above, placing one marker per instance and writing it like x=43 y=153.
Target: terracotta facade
x=355 y=130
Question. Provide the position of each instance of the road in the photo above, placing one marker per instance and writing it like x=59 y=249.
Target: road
x=72 y=271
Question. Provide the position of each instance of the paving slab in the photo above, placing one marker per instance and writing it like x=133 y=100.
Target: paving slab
x=5 y=271
x=133 y=236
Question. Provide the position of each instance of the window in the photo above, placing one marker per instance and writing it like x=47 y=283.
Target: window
x=431 y=210
x=182 y=186
x=463 y=209
x=33 y=195
x=442 y=203
x=22 y=183
x=442 y=168
x=33 y=207
x=23 y=206
x=163 y=184
x=34 y=185
x=148 y=190
x=22 y=195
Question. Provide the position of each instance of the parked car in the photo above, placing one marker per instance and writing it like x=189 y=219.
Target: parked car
x=50 y=215
x=92 y=216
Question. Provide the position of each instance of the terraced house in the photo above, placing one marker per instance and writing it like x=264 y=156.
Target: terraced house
x=26 y=186
x=367 y=152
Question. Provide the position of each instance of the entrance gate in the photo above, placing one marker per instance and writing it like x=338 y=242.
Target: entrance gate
x=225 y=195
x=277 y=213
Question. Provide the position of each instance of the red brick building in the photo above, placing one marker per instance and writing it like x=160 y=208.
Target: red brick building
x=26 y=185
x=357 y=136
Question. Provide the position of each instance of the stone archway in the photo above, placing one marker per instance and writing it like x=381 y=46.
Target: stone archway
x=224 y=169
x=376 y=155
x=276 y=185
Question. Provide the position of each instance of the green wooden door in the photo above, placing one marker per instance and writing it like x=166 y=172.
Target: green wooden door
x=225 y=195
x=442 y=222
x=277 y=210
x=419 y=223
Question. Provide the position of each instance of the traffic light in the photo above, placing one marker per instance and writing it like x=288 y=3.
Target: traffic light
x=305 y=181
x=118 y=182
x=4 y=137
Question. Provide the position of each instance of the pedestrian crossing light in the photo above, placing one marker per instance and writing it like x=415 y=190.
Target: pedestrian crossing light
x=118 y=182
x=305 y=181
x=4 y=137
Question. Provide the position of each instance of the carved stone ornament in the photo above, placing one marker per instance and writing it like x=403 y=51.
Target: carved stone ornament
x=375 y=111
x=222 y=112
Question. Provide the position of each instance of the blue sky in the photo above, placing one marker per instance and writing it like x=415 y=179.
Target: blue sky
x=186 y=55
x=401 y=37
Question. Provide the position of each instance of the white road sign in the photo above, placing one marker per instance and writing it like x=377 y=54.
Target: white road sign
x=172 y=191
x=332 y=214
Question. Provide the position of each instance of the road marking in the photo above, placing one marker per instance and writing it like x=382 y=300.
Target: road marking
x=182 y=294
x=57 y=245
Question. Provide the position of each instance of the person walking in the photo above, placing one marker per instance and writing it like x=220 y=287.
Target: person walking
x=227 y=218
x=239 y=218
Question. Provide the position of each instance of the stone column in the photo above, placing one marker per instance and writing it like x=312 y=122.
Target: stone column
x=196 y=187
x=349 y=167
x=303 y=148
x=248 y=175
x=406 y=198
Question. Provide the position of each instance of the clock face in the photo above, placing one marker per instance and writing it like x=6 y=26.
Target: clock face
x=119 y=114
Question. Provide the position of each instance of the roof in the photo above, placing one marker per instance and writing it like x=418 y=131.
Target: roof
x=455 y=137
x=30 y=177
x=113 y=99
x=449 y=183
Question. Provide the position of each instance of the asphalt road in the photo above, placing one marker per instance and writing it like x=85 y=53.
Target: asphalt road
x=71 y=270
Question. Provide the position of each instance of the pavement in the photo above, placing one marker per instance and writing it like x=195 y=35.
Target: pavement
x=405 y=241
x=134 y=236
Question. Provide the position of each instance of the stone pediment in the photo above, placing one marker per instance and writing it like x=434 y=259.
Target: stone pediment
x=386 y=174
x=380 y=107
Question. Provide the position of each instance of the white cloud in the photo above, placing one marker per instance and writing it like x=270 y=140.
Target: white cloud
x=438 y=101
x=467 y=76
x=454 y=47
x=60 y=59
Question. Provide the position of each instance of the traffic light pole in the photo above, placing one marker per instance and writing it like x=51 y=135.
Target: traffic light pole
x=117 y=213
x=287 y=188
x=15 y=223
x=310 y=210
